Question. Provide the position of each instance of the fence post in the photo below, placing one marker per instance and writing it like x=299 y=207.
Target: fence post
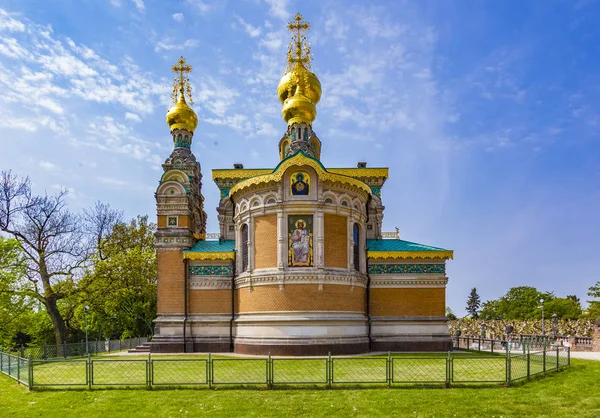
x=479 y=344
x=492 y=344
x=544 y=357
x=569 y=356
x=29 y=373
x=22 y=351
x=389 y=370
x=448 y=368
x=269 y=369
x=508 y=364
x=209 y=365
x=9 y=372
x=18 y=370
x=330 y=370
x=557 y=359
x=1 y=360
x=149 y=372
x=528 y=364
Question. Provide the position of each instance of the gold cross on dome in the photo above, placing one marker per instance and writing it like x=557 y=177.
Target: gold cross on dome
x=299 y=48
x=181 y=84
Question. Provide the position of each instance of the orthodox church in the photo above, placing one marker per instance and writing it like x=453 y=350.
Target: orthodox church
x=300 y=265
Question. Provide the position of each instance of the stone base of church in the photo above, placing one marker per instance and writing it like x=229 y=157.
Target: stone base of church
x=410 y=334
x=303 y=348
x=411 y=344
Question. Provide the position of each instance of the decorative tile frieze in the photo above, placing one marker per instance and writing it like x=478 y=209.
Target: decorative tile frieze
x=407 y=268
x=211 y=271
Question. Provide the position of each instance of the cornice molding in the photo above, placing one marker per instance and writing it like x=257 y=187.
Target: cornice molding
x=446 y=254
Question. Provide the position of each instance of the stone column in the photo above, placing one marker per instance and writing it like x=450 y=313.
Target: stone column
x=281 y=244
x=320 y=233
x=251 y=243
x=596 y=336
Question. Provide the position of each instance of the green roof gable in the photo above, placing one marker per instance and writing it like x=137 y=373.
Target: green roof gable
x=216 y=246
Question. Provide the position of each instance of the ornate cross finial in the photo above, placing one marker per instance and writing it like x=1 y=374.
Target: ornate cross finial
x=299 y=48
x=181 y=84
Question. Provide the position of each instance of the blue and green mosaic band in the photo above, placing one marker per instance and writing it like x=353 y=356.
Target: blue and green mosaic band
x=211 y=271
x=224 y=193
x=407 y=268
x=376 y=191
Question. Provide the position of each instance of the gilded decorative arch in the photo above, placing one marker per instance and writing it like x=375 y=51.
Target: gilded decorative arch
x=299 y=159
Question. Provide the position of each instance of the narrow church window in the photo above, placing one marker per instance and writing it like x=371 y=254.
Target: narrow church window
x=356 y=237
x=244 y=247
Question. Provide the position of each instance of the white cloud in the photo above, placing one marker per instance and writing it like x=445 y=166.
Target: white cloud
x=115 y=3
x=48 y=166
x=203 y=7
x=132 y=116
x=139 y=4
x=278 y=9
x=336 y=26
x=253 y=31
x=9 y=24
x=178 y=17
x=169 y=45
x=273 y=41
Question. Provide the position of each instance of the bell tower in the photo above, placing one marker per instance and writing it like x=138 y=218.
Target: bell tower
x=180 y=209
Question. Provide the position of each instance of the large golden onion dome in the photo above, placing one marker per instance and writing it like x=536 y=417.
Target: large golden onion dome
x=181 y=116
x=299 y=89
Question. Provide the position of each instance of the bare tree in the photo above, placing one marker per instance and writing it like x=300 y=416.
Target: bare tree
x=51 y=238
x=99 y=223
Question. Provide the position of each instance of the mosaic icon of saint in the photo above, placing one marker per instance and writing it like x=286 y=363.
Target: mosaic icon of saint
x=300 y=187
x=301 y=242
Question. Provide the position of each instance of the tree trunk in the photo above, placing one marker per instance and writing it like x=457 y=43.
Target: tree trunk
x=60 y=329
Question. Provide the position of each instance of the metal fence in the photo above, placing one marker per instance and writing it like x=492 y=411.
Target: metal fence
x=390 y=370
x=501 y=346
x=80 y=349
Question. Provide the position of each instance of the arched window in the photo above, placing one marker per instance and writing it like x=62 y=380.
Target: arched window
x=356 y=237
x=244 y=247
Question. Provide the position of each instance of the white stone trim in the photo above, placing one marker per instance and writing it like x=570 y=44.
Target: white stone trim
x=408 y=282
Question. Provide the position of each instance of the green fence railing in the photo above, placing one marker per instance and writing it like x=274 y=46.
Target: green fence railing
x=391 y=370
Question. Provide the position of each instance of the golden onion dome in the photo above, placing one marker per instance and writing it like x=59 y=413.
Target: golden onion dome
x=291 y=80
x=181 y=116
x=299 y=91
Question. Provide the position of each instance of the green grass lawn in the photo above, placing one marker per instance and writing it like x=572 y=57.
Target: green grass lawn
x=572 y=392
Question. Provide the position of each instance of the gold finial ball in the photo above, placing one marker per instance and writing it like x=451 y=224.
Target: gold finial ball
x=299 y=91
x=181 y=116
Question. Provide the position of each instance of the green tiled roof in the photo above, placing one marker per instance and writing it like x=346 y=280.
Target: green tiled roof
x=224 y=246
x=398 y=245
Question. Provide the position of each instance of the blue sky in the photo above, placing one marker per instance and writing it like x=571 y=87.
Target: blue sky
x=486 y=112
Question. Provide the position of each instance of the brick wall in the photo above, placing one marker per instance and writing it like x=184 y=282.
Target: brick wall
x=170 y=281
x=336 y=241
x=408 y=302
x=265 y=241
x=300 y=297
x=209 y=301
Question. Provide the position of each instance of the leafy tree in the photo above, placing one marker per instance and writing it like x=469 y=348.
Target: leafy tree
x=594 y=309
x=51 y=240
x=564 y=308
x=450 y=314
x=13 y=304
x=473 y=304
x=521 y=302
x=120 y=285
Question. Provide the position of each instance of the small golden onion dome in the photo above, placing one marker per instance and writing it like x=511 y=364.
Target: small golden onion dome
x=299 y=109
x=299 y=91
x=181 y=116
